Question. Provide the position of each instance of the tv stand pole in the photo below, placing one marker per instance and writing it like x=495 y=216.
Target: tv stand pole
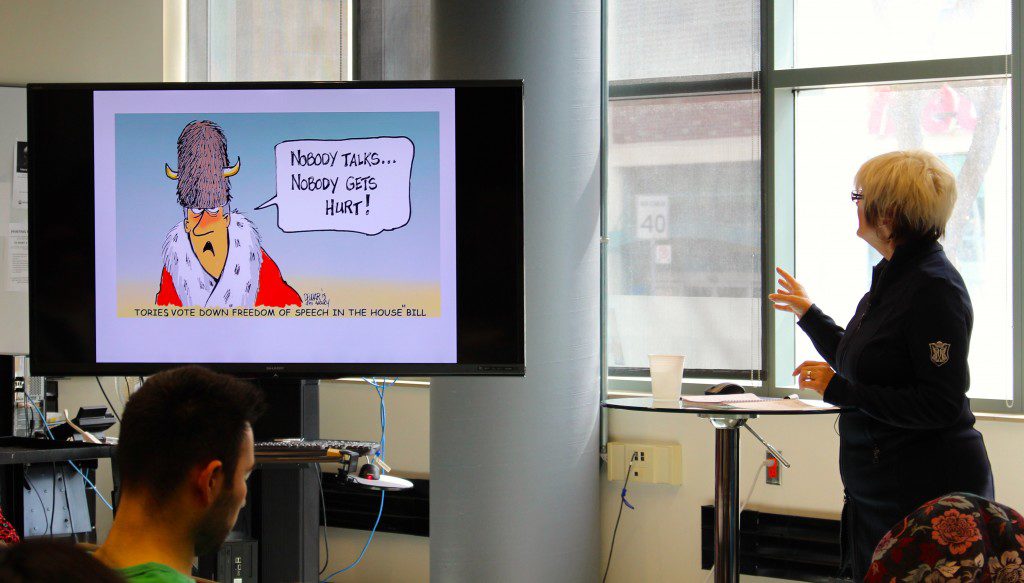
x=286 y=498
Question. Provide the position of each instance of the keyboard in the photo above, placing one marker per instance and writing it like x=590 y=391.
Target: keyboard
x=307 y=448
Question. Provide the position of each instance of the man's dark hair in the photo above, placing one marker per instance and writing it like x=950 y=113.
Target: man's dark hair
x=182 y=418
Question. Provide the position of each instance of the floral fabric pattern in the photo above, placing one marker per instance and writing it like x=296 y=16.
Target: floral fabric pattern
x=955 y=530
x=958 y=538
x=7 y=533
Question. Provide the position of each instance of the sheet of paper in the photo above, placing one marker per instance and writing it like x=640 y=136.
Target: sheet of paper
x=785 y=405
x=16 y=278
x=19 y=192
x=737 y=398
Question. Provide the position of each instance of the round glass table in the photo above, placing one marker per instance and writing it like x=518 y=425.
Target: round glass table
x=727 y=421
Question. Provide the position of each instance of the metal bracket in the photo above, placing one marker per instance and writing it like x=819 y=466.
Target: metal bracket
x=769 y=446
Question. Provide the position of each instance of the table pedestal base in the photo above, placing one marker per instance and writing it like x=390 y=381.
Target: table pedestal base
x=727 y=502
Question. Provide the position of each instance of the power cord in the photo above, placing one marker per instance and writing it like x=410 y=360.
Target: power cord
x=323 y=511
x=750 y=494
x=379 y=387
x=623 y=502
x=53 y=495
x=104 y=391
x=38 y=495
x=67 y=504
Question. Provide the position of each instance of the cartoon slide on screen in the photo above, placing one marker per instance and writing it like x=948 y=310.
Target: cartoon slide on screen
x=214 y=257
x=279 y=215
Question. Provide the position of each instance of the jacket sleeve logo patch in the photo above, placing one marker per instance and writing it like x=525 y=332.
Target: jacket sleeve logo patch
x=940 y=352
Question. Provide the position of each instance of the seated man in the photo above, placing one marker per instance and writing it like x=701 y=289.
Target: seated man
x=185 y=452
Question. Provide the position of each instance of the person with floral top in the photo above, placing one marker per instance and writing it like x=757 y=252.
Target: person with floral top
x=958 y=538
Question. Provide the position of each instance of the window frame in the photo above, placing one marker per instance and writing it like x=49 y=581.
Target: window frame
x=778 y=83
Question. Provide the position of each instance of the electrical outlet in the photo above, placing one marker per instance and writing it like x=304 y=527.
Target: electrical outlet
x=654 y=463
x=640 y=475
x=772 y=470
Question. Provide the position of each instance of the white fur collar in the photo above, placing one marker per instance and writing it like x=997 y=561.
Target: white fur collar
x=238 y=283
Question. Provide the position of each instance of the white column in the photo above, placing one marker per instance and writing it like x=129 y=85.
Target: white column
x=514 y=461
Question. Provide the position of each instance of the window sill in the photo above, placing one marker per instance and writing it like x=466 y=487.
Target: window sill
x=1011 y=417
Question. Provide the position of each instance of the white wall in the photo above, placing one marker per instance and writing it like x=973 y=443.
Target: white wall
x=76 y=40
x=660 y=541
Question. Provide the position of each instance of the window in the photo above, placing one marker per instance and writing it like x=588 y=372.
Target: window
x=684 y=186
x=827 y=33
x=269 y=40
x=849 y=79
x=874 y=77
x=964 y=123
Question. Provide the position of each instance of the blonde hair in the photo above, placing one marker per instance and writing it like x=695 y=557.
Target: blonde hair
x=911 y=189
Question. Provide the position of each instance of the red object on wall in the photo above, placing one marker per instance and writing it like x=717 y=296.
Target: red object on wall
x=771 y=469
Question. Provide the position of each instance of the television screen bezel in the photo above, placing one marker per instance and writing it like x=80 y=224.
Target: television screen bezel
x=512 y=364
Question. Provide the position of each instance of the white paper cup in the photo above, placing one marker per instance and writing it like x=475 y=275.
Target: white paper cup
x=666 y=376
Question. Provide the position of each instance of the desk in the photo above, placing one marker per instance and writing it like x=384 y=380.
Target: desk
x=727 y=423
x=27 y=450
x=22 y=457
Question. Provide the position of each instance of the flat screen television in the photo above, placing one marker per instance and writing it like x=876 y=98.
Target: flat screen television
x=305 y=230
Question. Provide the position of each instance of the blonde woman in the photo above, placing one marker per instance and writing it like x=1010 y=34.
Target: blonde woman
x=900 y=366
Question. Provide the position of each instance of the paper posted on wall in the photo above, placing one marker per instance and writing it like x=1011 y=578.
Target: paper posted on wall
x=16 y=278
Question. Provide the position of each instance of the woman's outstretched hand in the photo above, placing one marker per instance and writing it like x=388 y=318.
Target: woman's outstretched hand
x=791 y=296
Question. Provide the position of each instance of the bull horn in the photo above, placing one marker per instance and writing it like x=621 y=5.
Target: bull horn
x=170 y=173
x=229 y=172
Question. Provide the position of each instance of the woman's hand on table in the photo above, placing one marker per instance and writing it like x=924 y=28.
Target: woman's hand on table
x=814 y=375
x=790 y=296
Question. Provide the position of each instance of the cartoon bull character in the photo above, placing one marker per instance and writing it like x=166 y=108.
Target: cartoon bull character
x=214 y=257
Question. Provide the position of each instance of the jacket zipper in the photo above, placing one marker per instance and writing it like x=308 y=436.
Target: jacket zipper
x=867 y=308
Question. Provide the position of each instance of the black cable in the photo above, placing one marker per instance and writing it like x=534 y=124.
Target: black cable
x=622 y=502
x=53 y=496
x=42 y=504
x=67 y=503
x=323 y=510
x=112 y=408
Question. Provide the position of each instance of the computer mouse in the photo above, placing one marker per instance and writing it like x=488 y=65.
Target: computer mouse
x=725 y=389
x=369 y=472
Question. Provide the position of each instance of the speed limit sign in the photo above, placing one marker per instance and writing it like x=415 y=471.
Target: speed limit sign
x=652 y=216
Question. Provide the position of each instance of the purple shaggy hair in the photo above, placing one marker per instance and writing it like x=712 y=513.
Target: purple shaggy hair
x=202 y=157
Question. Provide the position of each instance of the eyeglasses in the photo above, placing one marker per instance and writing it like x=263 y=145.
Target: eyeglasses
x=857 y=195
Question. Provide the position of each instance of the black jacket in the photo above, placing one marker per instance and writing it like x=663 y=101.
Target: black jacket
x=901 y=367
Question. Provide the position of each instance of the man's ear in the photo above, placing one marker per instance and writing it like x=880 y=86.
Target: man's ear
x=210 y=480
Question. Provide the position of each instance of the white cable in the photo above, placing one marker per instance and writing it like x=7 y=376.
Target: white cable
x=750 y=494
x=120 y=397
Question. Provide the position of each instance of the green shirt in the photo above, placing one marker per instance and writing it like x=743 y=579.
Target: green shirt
x=154 y=573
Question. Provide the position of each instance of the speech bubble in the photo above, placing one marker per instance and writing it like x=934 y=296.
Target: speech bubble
x=359 y=184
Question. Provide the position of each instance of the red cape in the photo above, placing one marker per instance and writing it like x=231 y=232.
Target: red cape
x=273 y=290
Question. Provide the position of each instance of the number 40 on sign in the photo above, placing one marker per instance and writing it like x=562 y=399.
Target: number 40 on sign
x=652 y=216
